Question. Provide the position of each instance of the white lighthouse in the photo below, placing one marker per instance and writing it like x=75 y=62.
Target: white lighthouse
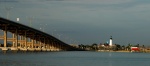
x=110 y=42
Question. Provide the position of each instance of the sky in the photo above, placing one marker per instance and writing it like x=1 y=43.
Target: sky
x=84 y=21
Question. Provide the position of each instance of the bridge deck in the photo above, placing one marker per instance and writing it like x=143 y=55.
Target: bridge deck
x=34 y=35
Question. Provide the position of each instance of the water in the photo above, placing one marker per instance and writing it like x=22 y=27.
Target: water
x=75 y=58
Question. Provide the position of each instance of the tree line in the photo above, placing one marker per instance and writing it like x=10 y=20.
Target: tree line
x=105 y=46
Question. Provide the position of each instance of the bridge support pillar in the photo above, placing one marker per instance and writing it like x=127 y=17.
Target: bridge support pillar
x=5 y=39
x=20 y=42
x=48 y=45
x=53 y=46
x=57 y=46
x=44 y=48
x=13 y=40
x=16 y=37
x=48 y=48
x=40 y=43
x=25 y=48
x=14 y=47
x=32 y=45
x=38 y=46
x=24 y=43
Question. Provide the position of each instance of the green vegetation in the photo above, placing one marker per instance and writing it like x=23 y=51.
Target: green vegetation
x=105 y=46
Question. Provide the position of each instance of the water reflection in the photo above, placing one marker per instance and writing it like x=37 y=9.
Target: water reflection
x=110 y=61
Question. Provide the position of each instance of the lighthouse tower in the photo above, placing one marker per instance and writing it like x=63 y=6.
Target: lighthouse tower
x=110 y=42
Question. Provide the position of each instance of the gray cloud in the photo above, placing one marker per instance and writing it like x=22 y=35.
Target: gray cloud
x=87 y=21
x=9 y=1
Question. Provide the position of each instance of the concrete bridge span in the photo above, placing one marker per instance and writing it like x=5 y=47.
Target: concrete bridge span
x=25 y=38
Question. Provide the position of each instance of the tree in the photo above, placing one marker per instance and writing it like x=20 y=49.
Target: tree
x=123 y=47
x=137 y=45
x=81 y=46
x=87 y=47
x=94 y=46
x=129 y=47
x=118 y=47
x=143 y=46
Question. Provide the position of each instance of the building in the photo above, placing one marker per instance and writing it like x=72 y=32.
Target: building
x=135 y=49
x=110 y=42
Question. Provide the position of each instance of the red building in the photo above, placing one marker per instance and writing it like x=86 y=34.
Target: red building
x=135 y=49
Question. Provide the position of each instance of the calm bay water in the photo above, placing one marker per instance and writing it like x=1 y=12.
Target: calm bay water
x=75 y=58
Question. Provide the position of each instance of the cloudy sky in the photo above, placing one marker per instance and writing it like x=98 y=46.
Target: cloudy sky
x=85 y=21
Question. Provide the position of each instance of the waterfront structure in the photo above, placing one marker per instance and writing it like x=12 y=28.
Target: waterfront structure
x=26 y=38
x=110 y=42
x=135 y=49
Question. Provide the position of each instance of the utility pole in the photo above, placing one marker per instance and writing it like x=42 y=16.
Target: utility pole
x=8 y=11
x=30 y=20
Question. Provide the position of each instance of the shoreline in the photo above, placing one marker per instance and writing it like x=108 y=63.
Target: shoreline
x=123 y=51
x=110 y=51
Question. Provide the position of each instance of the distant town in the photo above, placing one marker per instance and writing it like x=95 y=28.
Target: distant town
x=110 y=47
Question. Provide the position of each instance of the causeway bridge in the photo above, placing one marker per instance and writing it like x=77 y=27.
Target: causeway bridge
x=25 y=38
